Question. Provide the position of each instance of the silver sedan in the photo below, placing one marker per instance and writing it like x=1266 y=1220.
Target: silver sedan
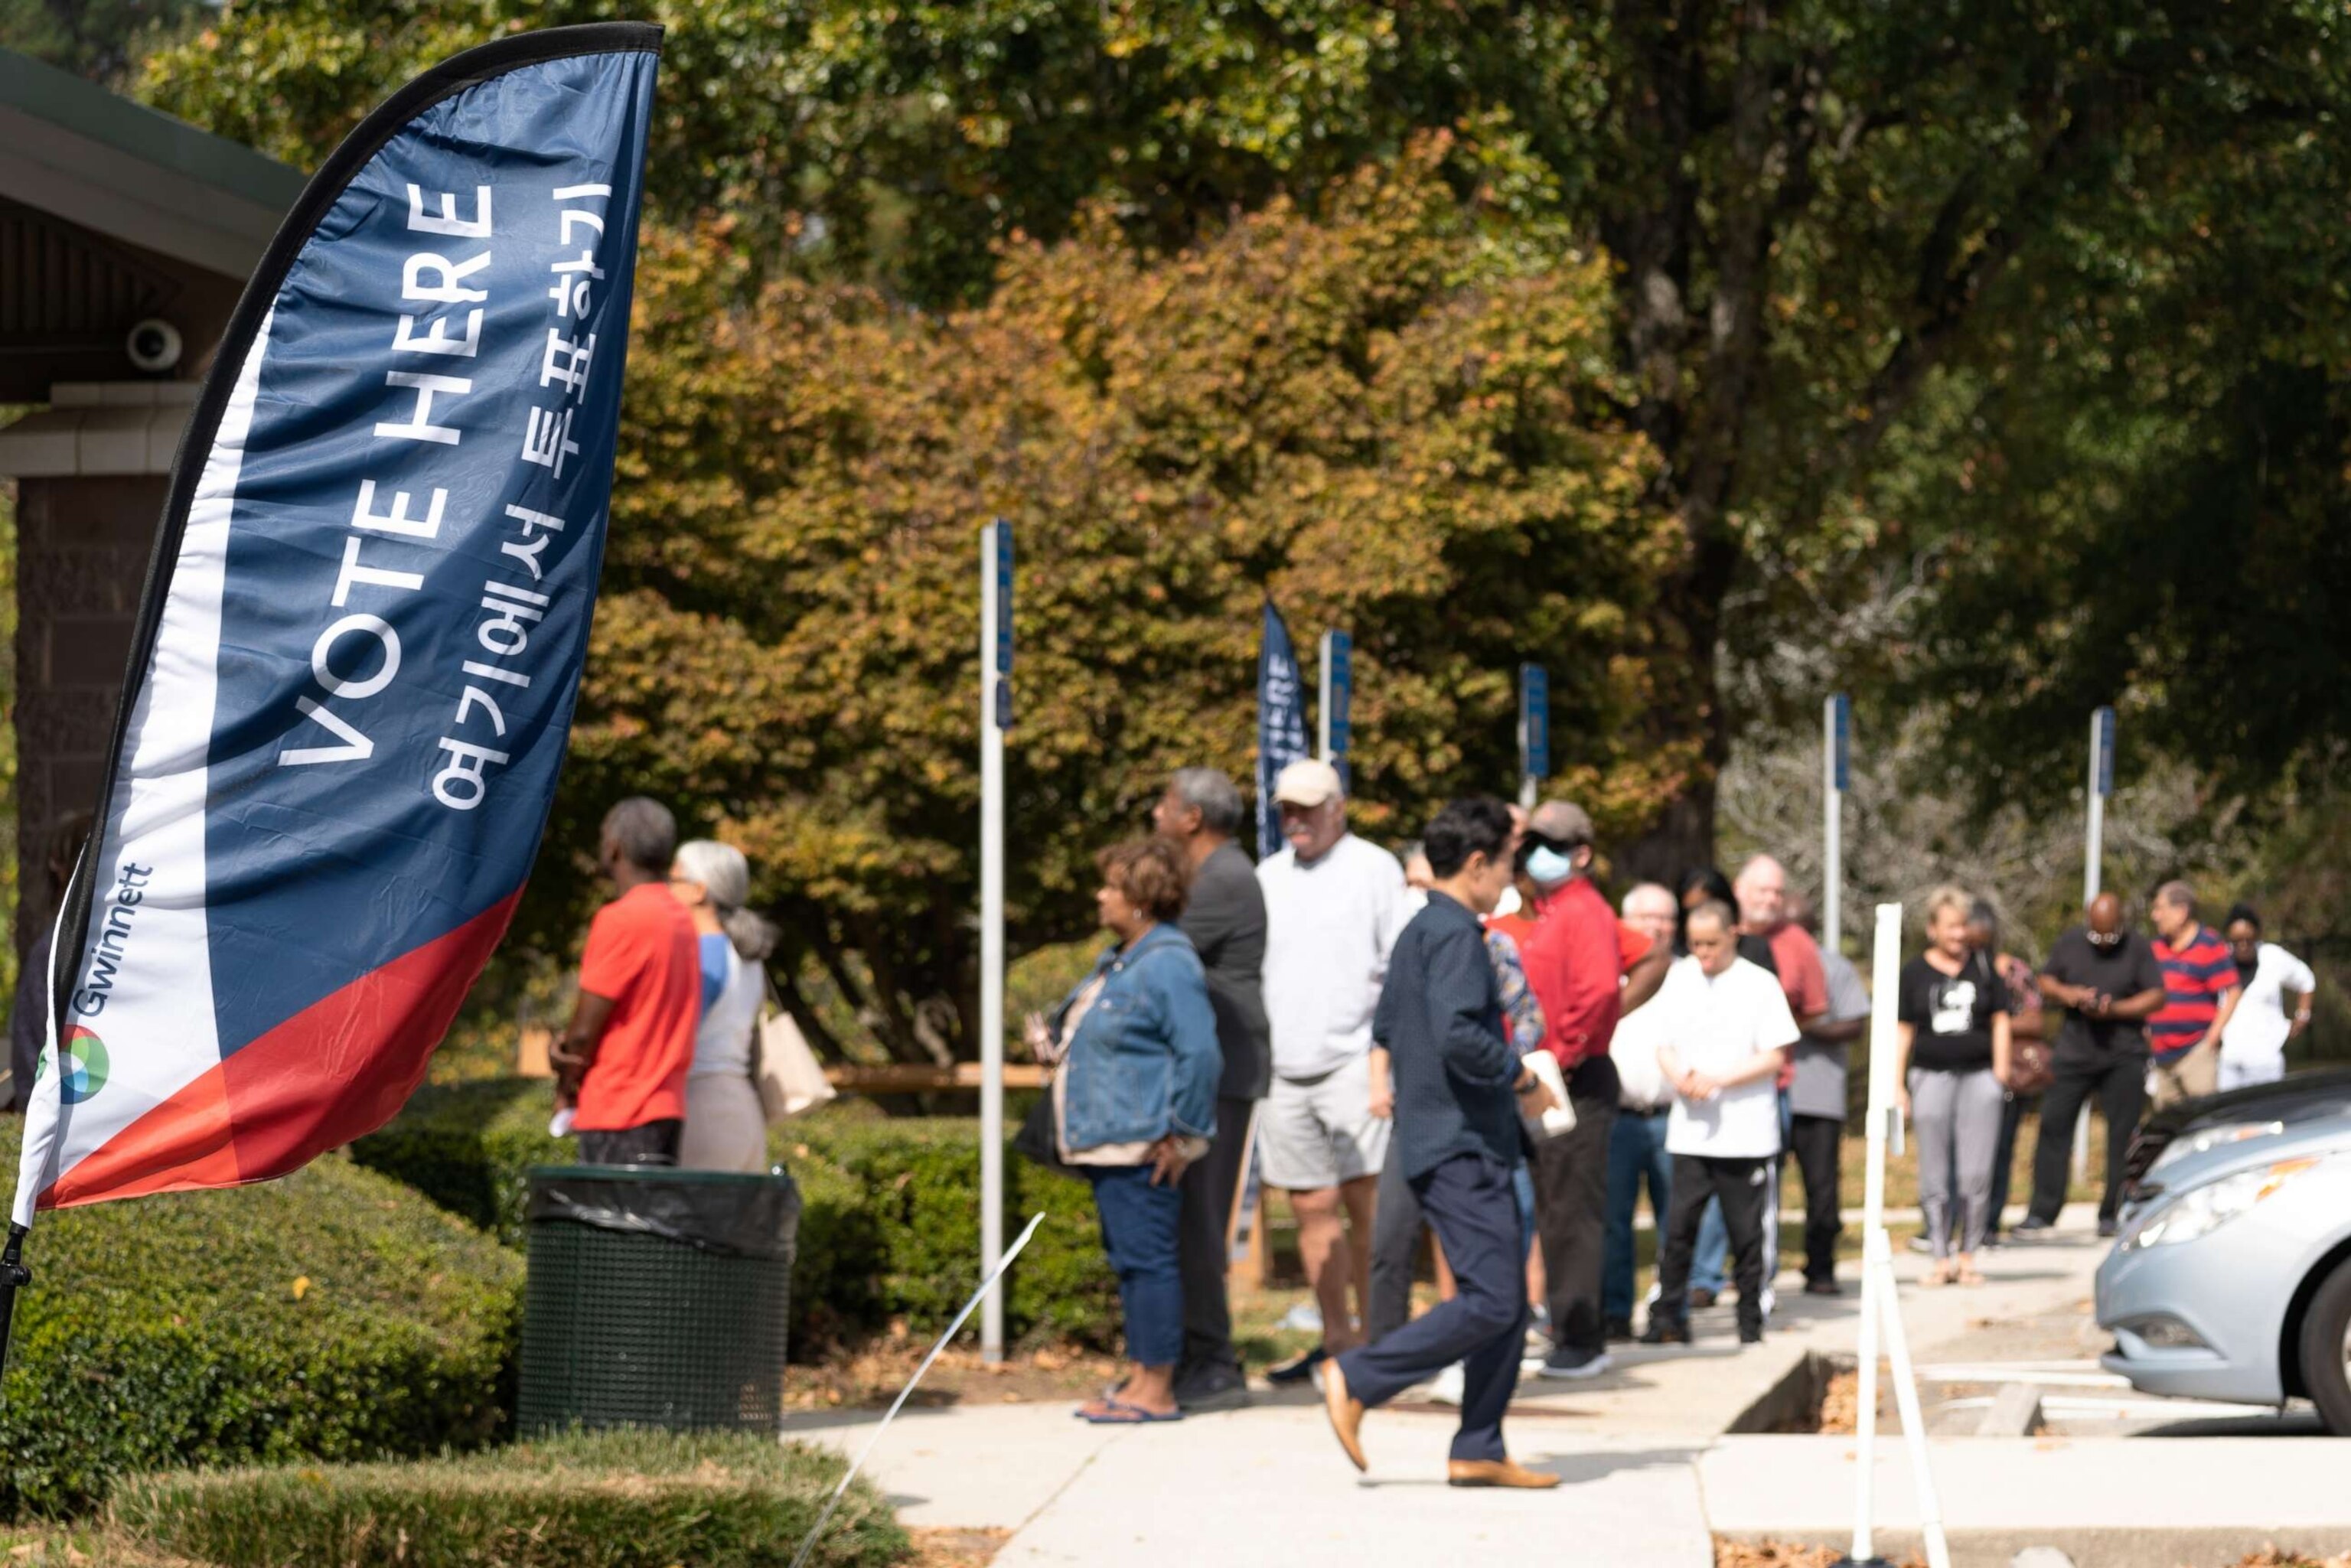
x=2231 y=1276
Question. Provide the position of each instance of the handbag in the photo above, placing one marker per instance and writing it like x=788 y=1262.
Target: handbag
x=2032 y=1066
x=2031 y=1063
x=1039 y=1138
x=784 y=1070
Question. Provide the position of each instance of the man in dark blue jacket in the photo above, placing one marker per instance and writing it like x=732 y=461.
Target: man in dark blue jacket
x=1458 y=1087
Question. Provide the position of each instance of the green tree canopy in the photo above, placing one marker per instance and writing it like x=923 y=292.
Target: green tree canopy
x=1376 y=416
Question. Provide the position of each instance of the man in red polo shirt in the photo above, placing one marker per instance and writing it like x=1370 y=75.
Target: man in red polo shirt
x=1575 y=959
x=1762 y=892
x=621 y=1065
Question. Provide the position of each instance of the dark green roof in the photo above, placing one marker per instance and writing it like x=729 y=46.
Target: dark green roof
x=67 y=101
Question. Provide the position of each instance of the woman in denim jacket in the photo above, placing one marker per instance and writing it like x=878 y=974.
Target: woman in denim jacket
x=1134 y=1103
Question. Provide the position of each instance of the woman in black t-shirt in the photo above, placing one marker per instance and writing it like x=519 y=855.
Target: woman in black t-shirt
x=1951 y=1069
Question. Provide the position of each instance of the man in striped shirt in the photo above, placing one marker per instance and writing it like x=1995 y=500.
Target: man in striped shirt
x=2200 y=990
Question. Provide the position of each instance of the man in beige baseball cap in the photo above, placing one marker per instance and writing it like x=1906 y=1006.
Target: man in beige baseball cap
x=1333 y=907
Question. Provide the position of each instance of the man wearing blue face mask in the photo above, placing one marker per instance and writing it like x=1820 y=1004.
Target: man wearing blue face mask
x=1577 y=960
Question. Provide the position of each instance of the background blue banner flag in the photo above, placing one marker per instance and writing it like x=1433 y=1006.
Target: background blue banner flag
x=1280 y=724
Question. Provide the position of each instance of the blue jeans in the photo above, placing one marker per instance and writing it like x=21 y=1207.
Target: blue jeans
x=1139 y=1231
x=1636 y=1153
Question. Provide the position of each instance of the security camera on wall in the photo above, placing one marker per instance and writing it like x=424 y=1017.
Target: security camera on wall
x=153 y=346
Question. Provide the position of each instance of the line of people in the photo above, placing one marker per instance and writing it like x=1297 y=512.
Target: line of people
x=660 y=1064
x=1322 y=1011
x=1270 y=1011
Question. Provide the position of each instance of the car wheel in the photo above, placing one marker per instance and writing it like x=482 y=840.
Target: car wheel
x=2327 y=1351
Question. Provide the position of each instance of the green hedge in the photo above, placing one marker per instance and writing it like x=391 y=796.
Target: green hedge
x=331 y=1315
x=889 y=1227
x=612 y=1499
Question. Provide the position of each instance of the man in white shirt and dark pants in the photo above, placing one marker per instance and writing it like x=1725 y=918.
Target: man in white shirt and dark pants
x=1334 y=907
x=1727 y=1032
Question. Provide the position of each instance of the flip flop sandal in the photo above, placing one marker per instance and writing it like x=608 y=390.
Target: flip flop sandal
x=1119 y=1413
x=1966 y=1277
x=1111 y=1391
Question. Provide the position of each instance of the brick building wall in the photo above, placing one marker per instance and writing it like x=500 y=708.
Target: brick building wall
x=83 y=544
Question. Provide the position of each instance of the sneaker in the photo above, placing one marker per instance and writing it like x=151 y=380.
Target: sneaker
x=1665 y=1330
x=2031 y=1225
x=1701 y=1297
x=1823 y=1288
x=1574 y=1364
x=1618 y=1330
x=1751 y=1335
x=1291 y=1373
x=2108 y=1230
x=1919 y=1244
x=1446 y=1387
x=1209 y=1388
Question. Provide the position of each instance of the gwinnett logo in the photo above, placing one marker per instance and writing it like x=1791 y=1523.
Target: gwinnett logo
x=86 y=1064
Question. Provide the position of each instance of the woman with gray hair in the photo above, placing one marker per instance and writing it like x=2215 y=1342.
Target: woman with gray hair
x=724 y=1128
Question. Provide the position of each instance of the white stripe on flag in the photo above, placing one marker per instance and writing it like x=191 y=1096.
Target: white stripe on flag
x=160 y=990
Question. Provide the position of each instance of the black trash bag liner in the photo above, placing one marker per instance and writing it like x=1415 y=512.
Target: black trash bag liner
x=733 y=1216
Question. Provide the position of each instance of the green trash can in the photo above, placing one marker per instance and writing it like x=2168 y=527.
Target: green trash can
x=656 y=1298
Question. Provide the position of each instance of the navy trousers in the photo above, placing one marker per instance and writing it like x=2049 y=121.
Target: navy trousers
x=1471 y=1202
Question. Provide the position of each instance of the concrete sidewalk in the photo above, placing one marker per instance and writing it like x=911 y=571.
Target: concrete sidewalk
x=1652 y=1454
x=2106 y=1503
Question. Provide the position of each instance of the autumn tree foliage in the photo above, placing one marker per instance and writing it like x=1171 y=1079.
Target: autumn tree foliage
x=1384 y=417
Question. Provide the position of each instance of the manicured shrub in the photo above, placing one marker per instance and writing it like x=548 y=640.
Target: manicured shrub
x=889 y=1225
x=331 y=1315
x=470 y=1148
x=610 y=1499
x=922 y=1179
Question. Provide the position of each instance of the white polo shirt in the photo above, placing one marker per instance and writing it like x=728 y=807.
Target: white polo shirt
x=1329 y=928
x=1716 y=1024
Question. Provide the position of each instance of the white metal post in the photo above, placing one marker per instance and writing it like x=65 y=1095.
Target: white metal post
x=1323 y=697
x=994 y=545
x=2094 y=848
x=2094 y=855
x=1834 y=723
x=1534 y=732
x=1881 y=1312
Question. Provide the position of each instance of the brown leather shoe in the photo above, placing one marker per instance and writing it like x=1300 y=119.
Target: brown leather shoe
x=1497 y=1473
x=1346 y=1413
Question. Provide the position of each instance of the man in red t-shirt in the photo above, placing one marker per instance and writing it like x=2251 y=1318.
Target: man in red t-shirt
x=621 y=1065
x=1762 y=890
x=1576 y=962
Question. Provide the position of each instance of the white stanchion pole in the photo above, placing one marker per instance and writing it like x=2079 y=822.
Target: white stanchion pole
x=2094 y=857
x=1834 y=722
x=995 y=649
x=1881 y=1312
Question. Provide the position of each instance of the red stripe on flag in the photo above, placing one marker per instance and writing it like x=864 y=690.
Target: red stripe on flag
x=341 y=1068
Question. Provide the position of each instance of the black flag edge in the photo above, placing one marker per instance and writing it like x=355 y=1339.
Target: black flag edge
x=473 y=66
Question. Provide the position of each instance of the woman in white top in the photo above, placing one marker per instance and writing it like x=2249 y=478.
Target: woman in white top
x=724 y=1129
x=2252 y=1043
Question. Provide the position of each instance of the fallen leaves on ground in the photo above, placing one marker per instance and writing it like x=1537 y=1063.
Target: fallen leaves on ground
x=955 y=1548
x=1782 y=1554
x=874 y=1373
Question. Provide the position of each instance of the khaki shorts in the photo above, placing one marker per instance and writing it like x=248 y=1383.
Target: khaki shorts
x=2190 y=1075
x=1317 y=1132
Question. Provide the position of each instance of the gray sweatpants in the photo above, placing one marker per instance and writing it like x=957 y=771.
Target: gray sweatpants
x=1962 y=1110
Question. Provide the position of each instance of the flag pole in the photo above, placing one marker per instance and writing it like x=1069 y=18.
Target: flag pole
x=996 y=712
